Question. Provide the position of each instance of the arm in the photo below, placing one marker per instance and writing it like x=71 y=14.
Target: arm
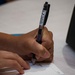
x=8 y=42
x=11 y=46
x=26 y=44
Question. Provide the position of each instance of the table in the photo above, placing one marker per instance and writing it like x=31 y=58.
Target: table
x=22 y=16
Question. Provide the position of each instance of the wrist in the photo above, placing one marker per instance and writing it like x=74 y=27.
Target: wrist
x=8 y=42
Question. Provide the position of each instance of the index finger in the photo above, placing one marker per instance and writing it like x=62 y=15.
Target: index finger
x=47 y=39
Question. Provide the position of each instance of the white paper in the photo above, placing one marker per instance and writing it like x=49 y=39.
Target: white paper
x=44 y=69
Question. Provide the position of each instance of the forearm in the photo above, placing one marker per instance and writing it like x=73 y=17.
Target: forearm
x=8 y=42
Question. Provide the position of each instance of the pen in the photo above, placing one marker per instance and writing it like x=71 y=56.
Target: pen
x=43 y=21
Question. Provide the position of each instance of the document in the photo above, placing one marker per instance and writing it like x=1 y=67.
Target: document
x=37 y=69
x=43 y=69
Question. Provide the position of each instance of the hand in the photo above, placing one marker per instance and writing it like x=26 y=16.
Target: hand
x=28 y=45
x=12 y=60
x=47 y=42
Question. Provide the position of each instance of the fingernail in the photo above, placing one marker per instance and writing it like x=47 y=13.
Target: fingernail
x=46 y=55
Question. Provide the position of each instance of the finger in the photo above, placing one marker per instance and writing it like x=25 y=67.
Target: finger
x=47 y=45
x=47 y=34
x=14 y=56
x=51 y=34
x=50 y=59
x=51 y=51
x=21 y=61
x=39 y=50
x=12 y=64
x=40 y=59
x=47 y=38
x=32 y=33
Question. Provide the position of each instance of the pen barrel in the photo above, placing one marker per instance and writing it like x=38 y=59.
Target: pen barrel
x=39 y=36
x=43 y=21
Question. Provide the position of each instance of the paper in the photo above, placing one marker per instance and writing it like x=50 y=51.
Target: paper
x=44 y=69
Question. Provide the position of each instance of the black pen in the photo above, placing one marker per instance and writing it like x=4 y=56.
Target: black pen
x=43 y=21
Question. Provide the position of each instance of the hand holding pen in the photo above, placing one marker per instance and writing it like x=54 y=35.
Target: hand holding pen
x=43 y=21
x=19 y=47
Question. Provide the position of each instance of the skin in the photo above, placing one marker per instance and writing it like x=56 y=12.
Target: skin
x=14 y=49
x=12 y=60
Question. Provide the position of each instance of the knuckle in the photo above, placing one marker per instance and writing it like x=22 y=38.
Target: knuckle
x=51 y=34
x=49 y=42
x=42 y=51
x=41 y=48
x=45 y=28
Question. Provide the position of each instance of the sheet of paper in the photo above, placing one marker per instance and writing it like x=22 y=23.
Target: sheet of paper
x=44 y=69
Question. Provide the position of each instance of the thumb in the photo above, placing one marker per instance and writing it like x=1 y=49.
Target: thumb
x=40 y=50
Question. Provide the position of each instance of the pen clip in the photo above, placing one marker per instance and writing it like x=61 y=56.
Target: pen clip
x=47 y=13
x=44 y=14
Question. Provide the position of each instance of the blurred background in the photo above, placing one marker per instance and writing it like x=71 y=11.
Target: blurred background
x=5 y=1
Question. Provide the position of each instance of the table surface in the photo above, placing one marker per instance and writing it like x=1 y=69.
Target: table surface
x=22 y=16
